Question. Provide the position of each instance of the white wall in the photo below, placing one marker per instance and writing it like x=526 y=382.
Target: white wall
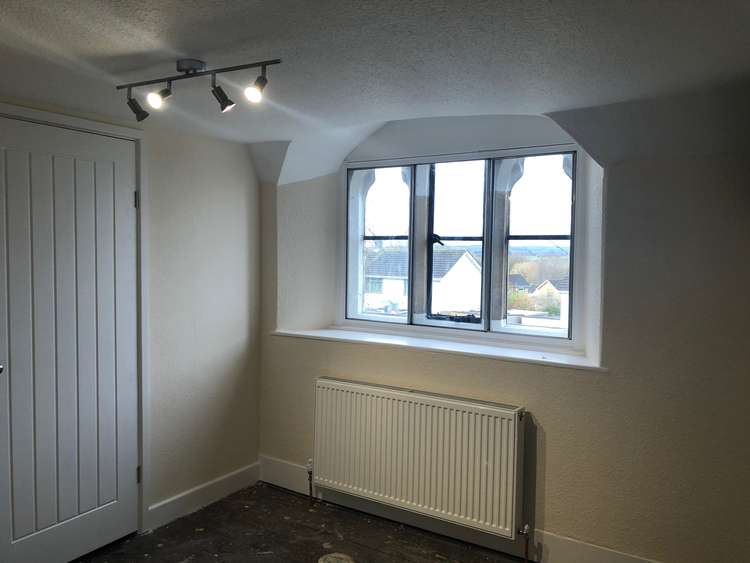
x=452 y=135
x=307 y=226
x=649 y=458
x=204 y=225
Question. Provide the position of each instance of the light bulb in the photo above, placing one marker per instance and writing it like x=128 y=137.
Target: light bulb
x=253 y=94
x=154 y=100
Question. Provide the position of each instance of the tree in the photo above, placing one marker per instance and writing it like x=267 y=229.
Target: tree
x=520 y=300
x=529 y=269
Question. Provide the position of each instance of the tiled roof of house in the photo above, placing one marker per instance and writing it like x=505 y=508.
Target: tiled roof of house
x=393 y=261
x=563 y=284
x=445 y=257
x=388 y=262
x=518 y=280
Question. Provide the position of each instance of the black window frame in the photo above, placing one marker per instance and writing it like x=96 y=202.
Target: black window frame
x=434 y=238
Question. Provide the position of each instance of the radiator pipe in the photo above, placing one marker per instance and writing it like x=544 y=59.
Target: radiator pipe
x=310 y=481
x=525 y=532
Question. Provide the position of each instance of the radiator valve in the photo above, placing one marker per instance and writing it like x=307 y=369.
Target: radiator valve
x=525 y=532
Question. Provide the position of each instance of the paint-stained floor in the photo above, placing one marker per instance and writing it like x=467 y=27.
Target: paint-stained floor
x=267 y=524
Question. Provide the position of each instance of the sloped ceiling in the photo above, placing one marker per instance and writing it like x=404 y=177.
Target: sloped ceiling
x=351 y=66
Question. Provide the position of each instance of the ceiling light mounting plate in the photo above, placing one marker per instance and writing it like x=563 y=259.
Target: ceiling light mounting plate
x=190 y=66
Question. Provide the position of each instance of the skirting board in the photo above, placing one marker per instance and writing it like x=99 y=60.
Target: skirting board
x=548 y=547
x=165 y=511
x=283 y=474
x=560 y=549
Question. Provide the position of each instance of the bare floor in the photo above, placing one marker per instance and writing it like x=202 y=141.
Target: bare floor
x=268 y=524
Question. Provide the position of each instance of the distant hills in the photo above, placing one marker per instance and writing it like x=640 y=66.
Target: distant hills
x=551 y=250
x=540 y=249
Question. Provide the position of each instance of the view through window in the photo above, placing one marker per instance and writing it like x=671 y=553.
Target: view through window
x=538 y=242
x=481 y=244
x=382 y=211
x=454 y=249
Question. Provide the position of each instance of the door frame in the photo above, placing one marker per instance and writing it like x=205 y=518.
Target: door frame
x=66 y=121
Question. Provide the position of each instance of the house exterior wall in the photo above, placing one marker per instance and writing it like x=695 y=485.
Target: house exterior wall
x=460 y=289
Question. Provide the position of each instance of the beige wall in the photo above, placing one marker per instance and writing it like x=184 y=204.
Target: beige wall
x=308 y=223
x=204 y=310
x=649 y=458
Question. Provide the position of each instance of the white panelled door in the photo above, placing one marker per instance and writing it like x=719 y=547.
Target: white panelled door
x=68 y=389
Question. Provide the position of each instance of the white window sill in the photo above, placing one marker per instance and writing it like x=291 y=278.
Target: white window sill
x=438 y=345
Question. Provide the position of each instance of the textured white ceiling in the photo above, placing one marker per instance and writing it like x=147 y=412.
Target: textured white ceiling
x=350 y=66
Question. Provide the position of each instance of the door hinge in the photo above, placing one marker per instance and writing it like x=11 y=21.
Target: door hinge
x=138 y=474
x=137 y=199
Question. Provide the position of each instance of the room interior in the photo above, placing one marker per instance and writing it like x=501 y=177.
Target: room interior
x=374 y=281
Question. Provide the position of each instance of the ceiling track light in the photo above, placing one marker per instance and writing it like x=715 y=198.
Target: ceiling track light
x=193 y=68
x=221 y=96
x=135 y=107
x=157 y=99
x=254 y=92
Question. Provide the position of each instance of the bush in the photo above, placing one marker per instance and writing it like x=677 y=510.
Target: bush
x=520 y=300
x=553 y=309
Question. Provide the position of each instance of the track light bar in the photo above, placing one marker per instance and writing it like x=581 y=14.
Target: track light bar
x=189 y=74
x=193 y=68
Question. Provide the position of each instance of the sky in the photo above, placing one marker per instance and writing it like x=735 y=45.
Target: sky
x=537 y=200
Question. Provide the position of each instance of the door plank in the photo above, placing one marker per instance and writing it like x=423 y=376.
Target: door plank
x=88 y=456
x=105 y=300
x=67 y=347
x=21 y=364
x=5 y=460
x=45 y=421
x=125 y=327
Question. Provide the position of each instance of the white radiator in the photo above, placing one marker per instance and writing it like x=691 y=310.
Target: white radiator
x=453 y=459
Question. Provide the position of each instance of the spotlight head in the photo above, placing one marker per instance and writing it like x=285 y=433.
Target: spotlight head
x=157 y=99
x=224 y=102
x=154 y=100
x=254 y=93
x=135 y=107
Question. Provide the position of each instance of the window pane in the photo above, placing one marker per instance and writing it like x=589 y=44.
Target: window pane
x=538 y=289
x=459 y=198
x=387 y=200
x=541 y=191
x=386 y=272
x=457 y=281
x=378 y=244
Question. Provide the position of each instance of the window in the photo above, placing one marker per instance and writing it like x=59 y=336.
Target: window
x=534 y=195
x=378 y=253
x=455 y=223
x=481 y=245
